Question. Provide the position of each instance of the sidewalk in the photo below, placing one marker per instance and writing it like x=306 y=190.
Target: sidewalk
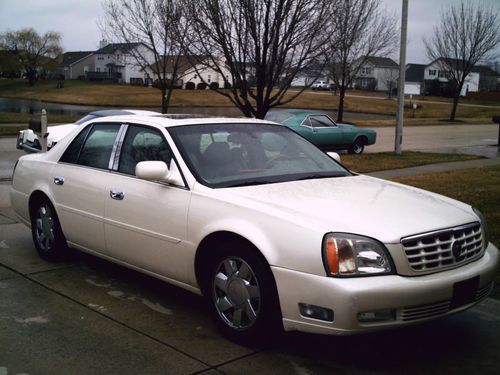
x=434 y=168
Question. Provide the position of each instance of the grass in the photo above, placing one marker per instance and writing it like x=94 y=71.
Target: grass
x=479 y=187
x=431 y=111
x=387 y=160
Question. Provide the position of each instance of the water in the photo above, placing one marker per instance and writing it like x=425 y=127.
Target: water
x=33 y=106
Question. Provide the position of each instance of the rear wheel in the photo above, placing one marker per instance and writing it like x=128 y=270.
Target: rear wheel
x=357 y=147
x=46 y=231
x=242 y=297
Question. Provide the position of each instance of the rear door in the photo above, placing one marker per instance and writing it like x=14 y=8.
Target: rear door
x=80 y=178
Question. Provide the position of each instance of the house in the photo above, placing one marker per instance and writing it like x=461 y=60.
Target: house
x=75 y=65
x=203 y=72
x=489 y=80
x=190 y=69
x=116 y=62
x=414 y=79
x=376 y=73
x=439 y=72
x=9 y=64
x=168 y=63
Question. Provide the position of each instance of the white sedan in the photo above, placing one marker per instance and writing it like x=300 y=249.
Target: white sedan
x=272 y=231
x=28 y=141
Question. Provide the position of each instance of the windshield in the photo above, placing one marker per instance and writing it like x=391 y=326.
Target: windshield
x=229 y=155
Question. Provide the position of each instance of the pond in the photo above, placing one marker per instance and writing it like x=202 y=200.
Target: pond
x=33 y=106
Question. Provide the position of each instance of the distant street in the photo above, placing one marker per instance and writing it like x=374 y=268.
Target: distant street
x=460 y=139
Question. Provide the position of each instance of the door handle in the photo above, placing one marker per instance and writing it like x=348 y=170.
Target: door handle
x=116 y=194
x=58 y=180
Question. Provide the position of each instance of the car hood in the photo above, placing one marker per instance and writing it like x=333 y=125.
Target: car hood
x=358 y=204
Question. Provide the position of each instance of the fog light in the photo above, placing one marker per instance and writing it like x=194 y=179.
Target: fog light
x=377 y=316
x=316 y=312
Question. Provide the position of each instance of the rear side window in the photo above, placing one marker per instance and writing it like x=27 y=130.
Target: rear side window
x=93 y=146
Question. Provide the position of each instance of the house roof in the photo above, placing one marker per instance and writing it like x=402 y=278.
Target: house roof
x=70 y=58
x=414 y=72
x=113 y=47
x=380 y=62
x=485 y=70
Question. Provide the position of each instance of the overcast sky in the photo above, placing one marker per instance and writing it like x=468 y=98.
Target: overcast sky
x=77 y=21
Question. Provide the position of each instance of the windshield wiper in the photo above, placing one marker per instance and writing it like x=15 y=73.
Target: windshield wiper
x=249 y=183
x=321 y=175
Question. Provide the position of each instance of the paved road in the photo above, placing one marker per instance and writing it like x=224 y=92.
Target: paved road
x=87 y=315
x=462 y=139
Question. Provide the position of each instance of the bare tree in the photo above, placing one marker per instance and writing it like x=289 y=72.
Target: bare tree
x=467 y=33
x=258 y=46
x=361 y=29
x=160 y=26
x=33 y=50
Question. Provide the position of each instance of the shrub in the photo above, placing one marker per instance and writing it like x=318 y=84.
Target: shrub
x=214 y=85
x=190 y=86
x=201 y=86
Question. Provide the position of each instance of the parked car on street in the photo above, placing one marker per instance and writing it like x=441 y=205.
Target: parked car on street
x=321 y=85
x=28 y=141
x=274 y=232
x=320 y=129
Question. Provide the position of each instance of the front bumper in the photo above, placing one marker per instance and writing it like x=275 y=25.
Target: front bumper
x=411 y=299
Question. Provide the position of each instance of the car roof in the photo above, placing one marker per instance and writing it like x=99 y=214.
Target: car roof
x=172 y=121
x=120 y=112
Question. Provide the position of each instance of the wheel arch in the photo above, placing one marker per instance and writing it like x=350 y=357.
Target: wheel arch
x=362 y=137
x=209 y=245
x=37 y=196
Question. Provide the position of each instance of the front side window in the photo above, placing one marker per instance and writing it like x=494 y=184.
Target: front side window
x=142 y=144
x=93 y=146
x=230 y=155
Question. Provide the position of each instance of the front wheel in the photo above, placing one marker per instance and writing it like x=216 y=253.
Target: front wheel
x=357 y=147
x=46 y=232
x=242 y=297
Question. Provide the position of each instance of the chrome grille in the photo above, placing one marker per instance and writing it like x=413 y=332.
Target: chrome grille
x=444 y=248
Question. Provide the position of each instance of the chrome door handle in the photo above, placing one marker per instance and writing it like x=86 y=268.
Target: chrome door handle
x=116 y=194
x=58 y=180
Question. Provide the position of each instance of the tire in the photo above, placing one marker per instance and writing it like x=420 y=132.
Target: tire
x=46 y=231
x=241 y=293
x=357 y=147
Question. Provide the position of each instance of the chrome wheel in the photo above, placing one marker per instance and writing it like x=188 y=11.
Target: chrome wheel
x=236 y=293
x=357 y=147
x=44 y=228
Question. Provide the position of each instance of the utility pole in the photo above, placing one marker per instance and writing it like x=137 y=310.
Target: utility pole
x=401 y=81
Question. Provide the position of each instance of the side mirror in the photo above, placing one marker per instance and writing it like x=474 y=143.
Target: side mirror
x=159 y=171
x=334 y=155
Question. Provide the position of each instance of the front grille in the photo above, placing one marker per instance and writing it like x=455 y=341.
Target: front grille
x=443 y=249
x=411 y=313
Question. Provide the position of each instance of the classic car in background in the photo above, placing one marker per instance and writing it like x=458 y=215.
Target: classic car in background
x=28 y=141
x=271 y=230
x=321 y=130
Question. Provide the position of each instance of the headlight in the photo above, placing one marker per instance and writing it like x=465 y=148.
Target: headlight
x=484 y=226
x=347 y=254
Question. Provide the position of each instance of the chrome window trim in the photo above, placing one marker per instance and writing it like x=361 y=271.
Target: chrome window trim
x=115 y=152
